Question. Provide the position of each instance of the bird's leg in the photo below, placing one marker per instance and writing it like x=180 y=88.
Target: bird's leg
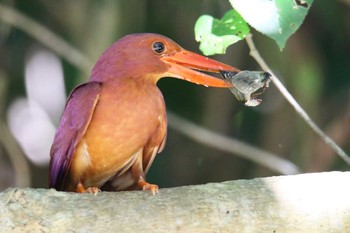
x=139 y=175
x=81 y=189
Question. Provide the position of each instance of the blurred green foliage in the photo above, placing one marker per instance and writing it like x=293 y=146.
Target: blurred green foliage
x=314 y=66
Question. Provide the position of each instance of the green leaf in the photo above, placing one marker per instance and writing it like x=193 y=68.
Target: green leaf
x=278 y=19
x=215 y=35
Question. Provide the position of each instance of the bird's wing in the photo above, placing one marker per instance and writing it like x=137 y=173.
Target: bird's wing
x=150 y=151
x=75 y=120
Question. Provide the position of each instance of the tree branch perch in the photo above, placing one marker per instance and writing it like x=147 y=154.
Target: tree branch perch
x=316 y=202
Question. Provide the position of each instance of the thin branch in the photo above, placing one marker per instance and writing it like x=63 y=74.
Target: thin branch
x=82 y=62
x=233 y=146
x=46 y=37
x=16 y=156
x=300 y=111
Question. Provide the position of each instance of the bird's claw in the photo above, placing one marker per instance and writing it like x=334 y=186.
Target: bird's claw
x=148 y=187
x=93 y=190
x=81 y=189
x=151 y=187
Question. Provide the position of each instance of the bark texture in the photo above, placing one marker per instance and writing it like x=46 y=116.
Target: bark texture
x=318 y=202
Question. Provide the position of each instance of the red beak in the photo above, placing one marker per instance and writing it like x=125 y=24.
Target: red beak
x=186 y=65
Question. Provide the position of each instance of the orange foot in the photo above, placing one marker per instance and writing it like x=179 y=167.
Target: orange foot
x=147 y=186
x=81 y=189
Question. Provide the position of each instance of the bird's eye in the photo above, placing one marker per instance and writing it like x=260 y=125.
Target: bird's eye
x=158 y=47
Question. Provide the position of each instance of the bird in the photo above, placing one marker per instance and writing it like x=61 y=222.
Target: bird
x=114 y=125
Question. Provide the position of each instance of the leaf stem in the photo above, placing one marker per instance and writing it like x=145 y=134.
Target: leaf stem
x=300 y=111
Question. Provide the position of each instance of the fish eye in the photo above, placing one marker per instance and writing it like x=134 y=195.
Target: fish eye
x=158 y=47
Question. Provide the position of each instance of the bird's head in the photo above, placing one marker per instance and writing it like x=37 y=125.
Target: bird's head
x=152 y=56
